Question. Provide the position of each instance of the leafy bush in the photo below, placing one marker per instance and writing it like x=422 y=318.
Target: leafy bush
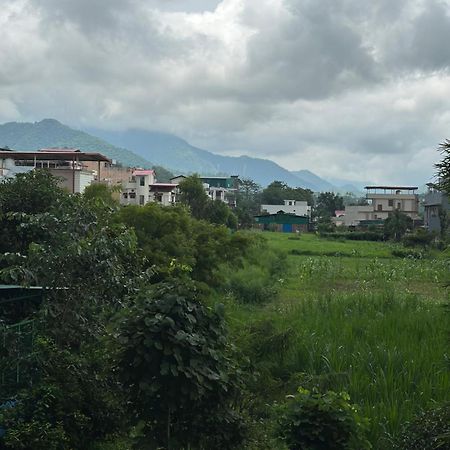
x=174 y=363
x=429 y=430
x=355 y=235
x=251 y=284
x=72 y=404
x=311 y=420
x=421 y=238
x=408 y=253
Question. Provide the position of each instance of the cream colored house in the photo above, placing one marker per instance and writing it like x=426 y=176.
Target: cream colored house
x=69 y=165
x=136 y=191
x=141 y=188
x=382 y=201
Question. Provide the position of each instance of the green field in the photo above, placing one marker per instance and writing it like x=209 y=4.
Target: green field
x=350 y=316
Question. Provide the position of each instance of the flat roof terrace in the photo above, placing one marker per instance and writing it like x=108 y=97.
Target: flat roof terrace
x=390 y=189
x=53 y=155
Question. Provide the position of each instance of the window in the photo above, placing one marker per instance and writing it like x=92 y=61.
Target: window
x=141 y=199
x=380 y=207
x=125 y=195
x=399 y=206
x=391 y=202
x=142 y=181
x=132 y=195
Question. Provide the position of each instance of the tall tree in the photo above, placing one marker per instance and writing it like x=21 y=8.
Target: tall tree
x=397 y=224
x=443 y=167
x=278 y=191
x=193 y=195
x=328 y=203
x=248 y=202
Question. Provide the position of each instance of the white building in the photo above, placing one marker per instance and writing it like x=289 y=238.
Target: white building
x=297 y=207
x=142 y=188
x=164 y=193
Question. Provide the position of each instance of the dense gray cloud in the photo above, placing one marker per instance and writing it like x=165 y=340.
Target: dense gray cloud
x=342 y=87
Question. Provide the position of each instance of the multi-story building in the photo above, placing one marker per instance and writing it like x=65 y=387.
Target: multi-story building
x=386 y=199
x=69 y=165
x=382 y=201
x=436 y=205
x=142 y=188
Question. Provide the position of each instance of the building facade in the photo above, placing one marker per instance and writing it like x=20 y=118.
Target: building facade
x=436 y=204
x=296 y=207
x=383 y=201
x=69 y=165
x=142 y=188
x=282 y=222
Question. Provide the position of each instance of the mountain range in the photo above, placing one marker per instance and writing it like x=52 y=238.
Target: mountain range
x=139 y=148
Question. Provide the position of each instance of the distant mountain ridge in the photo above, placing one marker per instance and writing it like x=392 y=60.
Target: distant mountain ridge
x=171 y=151
x=139 y=148
x=51 y=133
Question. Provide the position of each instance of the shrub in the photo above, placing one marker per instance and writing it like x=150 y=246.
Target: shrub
x=427 y=431
x=311 y=420
x=420 y=238
x=408 y=253
x=252 y=284
x=174 y=363
x=355 y=236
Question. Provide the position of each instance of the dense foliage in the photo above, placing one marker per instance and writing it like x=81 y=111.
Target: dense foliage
x=193 y=195
x=443 y=167
x=162 y=330
x=277 y=191
x=173 y=361
x=311 y=420
x=328 y=203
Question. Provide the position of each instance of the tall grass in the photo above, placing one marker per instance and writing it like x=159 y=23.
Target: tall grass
x=373 y=326
x=391 y=347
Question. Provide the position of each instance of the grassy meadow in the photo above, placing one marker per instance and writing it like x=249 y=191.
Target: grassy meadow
x=351 y=316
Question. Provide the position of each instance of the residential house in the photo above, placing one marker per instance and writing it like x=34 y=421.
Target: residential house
x=382 y=201
x=296 y=207
x=65 y=163
x=142 y=188
x=436 y=204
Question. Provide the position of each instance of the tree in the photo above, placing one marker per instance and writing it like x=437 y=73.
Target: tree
x=27 y=194
x=397 y=224
x=100 y=191
x=278 y=191
x=219 y=213
x=193 y=195
x=248 y=202
x=174 y=363
x=443 y=167
x=248 y=189
x=328 y=203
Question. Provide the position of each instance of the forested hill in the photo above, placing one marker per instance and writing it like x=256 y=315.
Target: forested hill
x=139 y=148
x=51 y=133
x=171 y=151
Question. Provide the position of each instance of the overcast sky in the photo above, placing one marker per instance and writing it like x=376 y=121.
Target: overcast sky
x=357 y=89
